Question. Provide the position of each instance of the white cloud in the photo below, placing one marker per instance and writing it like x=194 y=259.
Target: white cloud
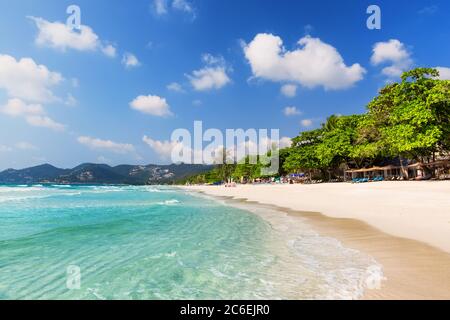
x=129 y=60
x=197 y=103
x=183 y=5
x=45 y=122
x=24 y=80
x=289 y=90
x=209 y=59
x=99 y=144
x=212 y=76
x=109 y=50
x=285 y=142
x=392 y=52
x=17 y=108
x=175 y=87
x=306 y=123
x=58 y=35
x=27 y=80
x=444 y=73
x=162 y=148
x=160 y=6
x=262 y=146
x=26 y=146
x=33 y=113
x=291 y=111
x=209 y=78
x=314 y=64
x=153 y=105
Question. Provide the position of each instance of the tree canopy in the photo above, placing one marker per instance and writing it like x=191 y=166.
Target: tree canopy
x=409 y=119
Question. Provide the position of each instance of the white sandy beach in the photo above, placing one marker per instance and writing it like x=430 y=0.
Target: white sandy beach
x=405 y=226
x=414 y=210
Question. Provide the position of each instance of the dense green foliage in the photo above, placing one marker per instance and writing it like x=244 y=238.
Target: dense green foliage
x=407 y=120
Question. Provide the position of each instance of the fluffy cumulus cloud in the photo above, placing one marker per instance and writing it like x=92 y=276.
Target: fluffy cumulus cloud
x=209 y=78
x=289 y=90
x=34 y=114
x=285 y=142
x=212 y=76
x=151 y=104
x=306 y=123
x=444 y=73
x=18 y=108
x=129 y=60
x=59 y=36
x=28 y=84
x=162 y=148
x=291 y=111
x=109 y=50
x=108 y=145
x=313 y=64
x=394 y=54
x=27 y=80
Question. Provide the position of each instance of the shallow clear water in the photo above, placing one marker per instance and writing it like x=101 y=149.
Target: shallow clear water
x=161 y=243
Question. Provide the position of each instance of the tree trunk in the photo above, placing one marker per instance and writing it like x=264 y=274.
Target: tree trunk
x=404 y=170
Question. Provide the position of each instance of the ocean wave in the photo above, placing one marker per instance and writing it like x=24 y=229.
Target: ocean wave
x=169 y=202
x=268 y=255
x=153 y=190
x=4 y=189
x=35 y=197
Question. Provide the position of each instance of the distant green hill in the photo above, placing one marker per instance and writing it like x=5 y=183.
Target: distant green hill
x=91 y=173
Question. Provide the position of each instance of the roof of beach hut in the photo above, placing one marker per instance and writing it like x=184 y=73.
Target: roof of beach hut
x=367 y=169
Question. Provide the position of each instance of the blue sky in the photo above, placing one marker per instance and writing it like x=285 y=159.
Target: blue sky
x=144 y=68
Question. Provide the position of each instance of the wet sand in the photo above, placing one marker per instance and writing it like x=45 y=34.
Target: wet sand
x=413 y=270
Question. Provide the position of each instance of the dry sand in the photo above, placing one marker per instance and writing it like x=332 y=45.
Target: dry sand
x=404 y=225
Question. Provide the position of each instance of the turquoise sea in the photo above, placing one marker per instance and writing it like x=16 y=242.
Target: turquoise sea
x=163 y=243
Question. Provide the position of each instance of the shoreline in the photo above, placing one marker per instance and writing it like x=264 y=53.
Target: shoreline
x=413 y=269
